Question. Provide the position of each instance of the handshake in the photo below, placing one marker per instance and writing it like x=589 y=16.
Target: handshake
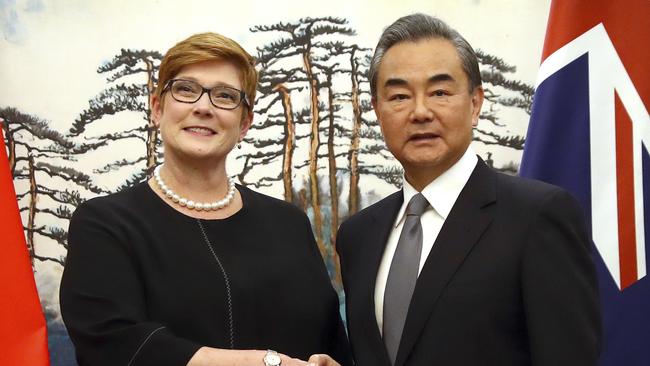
x=207 y=356
x=273 y=358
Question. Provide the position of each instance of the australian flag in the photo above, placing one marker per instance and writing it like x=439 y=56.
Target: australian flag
x=590 y=133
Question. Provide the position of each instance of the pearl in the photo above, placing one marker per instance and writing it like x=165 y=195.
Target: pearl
x=199 y=206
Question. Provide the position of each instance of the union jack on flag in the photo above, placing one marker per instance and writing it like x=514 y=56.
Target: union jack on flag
x=590 y=133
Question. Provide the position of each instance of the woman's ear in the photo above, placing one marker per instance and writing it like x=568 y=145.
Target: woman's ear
x=245 y=125
x=156 y=110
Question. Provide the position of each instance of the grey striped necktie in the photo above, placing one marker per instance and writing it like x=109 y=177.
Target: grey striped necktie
x=402 y=275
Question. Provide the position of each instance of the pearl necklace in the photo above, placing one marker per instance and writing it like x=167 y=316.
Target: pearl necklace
x=184 y=202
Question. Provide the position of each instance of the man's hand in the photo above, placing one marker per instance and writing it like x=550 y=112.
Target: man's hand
x=322 y=360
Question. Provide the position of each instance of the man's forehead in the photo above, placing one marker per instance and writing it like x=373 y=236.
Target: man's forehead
x=430 y=60
x=432 y=51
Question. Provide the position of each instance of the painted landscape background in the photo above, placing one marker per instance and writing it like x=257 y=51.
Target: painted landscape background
x=76 y=78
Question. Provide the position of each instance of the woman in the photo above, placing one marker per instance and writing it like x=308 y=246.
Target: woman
x=189 y=268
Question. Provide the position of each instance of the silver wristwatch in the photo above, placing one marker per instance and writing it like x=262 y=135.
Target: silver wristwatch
x=272 y=358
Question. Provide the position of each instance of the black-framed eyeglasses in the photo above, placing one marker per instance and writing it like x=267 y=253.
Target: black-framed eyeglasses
x=221 y=96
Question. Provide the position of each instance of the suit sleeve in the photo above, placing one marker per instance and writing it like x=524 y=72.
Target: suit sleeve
x=560 y=287
x=340 y=251
x=342 y=243
x=338 y=347
x=102 y=299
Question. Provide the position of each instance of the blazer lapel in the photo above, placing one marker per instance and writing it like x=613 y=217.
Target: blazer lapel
x=468 y=219
x=382 y=218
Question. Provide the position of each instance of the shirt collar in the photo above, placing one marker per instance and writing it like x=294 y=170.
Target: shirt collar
x=443 y=191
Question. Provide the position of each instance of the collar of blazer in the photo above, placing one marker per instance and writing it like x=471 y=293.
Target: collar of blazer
x=469 y=218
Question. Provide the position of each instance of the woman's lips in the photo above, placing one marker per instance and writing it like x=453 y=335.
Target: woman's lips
x=199 y=130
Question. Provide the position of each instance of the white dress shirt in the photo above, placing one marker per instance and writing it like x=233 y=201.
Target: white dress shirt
x=441 y=194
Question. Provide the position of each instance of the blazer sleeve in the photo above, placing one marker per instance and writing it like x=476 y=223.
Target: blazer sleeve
x=339 y=348
x=559 y=286
x=102 y=298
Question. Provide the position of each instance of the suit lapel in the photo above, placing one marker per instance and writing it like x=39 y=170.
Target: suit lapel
x=382 y=218
x=468 y=219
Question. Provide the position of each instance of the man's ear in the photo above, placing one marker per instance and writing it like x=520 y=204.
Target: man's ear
x=375 y=109
x=477 y=101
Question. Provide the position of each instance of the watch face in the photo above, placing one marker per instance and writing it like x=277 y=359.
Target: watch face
x=272 y=359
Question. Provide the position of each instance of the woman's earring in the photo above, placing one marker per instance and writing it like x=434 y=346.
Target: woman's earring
x=239 y=145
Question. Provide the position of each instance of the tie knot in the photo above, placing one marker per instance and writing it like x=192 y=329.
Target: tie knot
x=417 y=205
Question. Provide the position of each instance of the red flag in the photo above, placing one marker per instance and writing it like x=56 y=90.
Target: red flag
x=589 y=132
x=23 y=333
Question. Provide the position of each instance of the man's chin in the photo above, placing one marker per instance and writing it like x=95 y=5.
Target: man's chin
x=422 y=162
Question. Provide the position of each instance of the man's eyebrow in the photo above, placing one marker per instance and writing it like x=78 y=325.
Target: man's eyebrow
x=432 y=80
x=395 y=82
x=440 y=77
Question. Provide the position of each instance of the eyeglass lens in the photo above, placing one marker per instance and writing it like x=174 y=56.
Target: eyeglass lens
x=190 y=91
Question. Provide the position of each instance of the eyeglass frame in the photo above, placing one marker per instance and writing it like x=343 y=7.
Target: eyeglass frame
x=242 y=95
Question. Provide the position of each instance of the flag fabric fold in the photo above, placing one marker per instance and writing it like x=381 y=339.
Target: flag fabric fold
x=589 y=132
x=23 y=332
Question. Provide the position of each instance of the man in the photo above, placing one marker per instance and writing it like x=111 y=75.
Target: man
x=464 y=266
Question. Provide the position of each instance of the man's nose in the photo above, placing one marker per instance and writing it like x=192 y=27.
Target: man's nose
x=421 y=110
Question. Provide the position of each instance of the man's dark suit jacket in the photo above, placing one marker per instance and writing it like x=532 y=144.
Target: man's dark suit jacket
x=509 y=281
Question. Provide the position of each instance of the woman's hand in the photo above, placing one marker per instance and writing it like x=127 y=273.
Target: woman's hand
x=322 y=360
x=207 y=356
